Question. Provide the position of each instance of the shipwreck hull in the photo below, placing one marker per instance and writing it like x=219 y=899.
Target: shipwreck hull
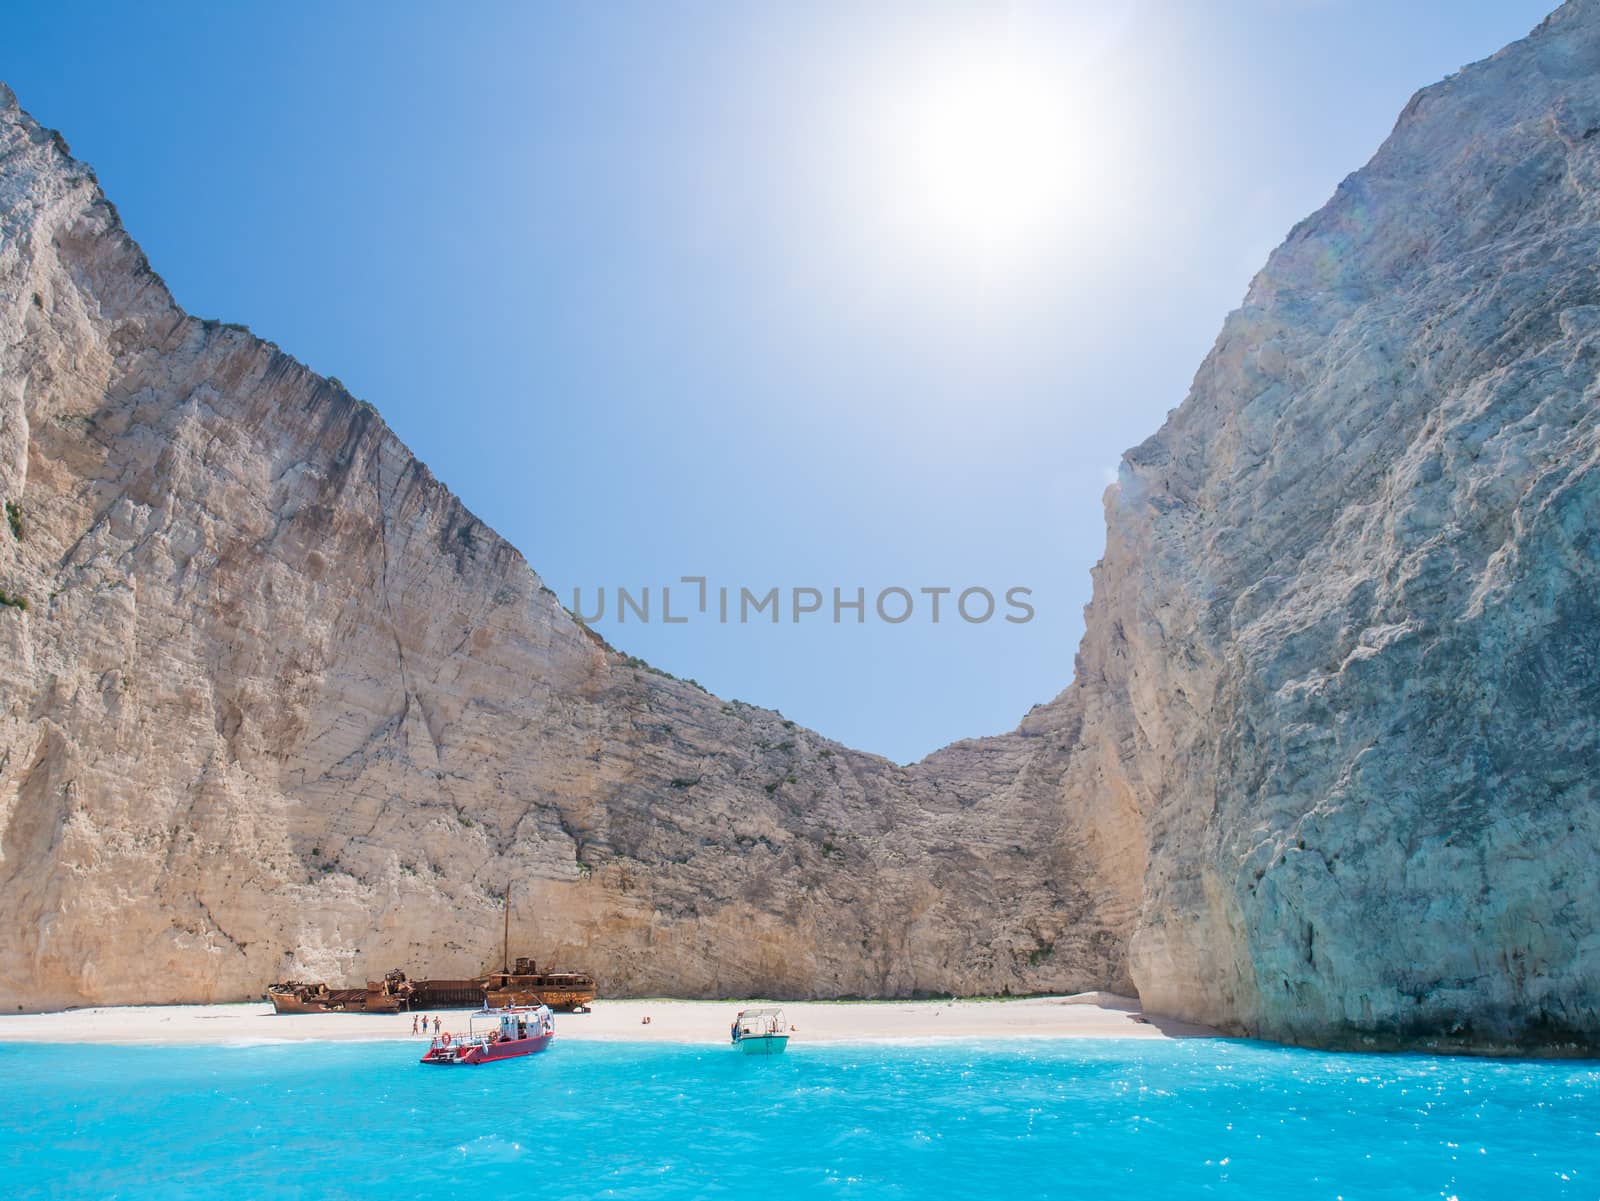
x=329 y=1000
x=566 y=991
x=563 y=1000
x=563 y=991
x=446 y=994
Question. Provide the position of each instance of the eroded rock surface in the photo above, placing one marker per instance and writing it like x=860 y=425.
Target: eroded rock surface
x=1345 y=641
x=279 y=706
x=1327 y=771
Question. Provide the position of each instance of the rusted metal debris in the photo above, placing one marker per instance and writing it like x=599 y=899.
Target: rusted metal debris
x=525 y=984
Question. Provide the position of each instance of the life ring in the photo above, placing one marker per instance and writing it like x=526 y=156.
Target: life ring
x=444 y=1040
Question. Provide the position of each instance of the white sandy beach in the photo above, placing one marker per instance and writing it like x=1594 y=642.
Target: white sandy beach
x=1089 y=1015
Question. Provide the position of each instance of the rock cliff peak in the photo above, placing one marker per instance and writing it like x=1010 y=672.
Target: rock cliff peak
x=276 y=704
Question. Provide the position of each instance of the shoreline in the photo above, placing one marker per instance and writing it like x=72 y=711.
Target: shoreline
x=702 y=1023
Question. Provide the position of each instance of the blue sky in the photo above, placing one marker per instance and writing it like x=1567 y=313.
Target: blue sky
x=769 y=294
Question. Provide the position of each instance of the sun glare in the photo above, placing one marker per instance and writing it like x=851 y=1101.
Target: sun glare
x=988 y=157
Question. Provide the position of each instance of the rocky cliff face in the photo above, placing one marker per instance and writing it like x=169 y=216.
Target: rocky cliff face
x=1342 y=657
x=279 y=706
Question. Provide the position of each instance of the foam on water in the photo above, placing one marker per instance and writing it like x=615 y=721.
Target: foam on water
x=1107 y=1119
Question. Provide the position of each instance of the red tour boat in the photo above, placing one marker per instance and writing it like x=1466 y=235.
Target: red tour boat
x=495 y=1034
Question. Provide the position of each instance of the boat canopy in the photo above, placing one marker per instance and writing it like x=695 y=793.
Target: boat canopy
x=515 y=1021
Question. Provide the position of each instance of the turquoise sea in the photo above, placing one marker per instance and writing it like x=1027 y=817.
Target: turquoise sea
x=1103 y=1119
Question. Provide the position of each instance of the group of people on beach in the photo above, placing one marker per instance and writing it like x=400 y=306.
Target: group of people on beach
x=419 y=1024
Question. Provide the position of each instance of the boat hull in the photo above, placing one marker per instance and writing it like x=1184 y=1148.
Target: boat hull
x=473 y=1054
x=764 y=1044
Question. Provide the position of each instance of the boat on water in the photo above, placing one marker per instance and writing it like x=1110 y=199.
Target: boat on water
x=493 y=1034
x=761 y=1031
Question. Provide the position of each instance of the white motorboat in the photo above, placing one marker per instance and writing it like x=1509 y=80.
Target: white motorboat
x=761 y=1031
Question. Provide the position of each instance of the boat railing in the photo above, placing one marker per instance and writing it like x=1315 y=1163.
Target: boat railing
x=470 y=1039
x=761 y=1023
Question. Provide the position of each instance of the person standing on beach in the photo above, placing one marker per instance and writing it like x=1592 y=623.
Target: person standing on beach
x=436 y=1025
x=413 y=1024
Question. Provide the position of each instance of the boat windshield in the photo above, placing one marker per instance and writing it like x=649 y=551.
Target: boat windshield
x=755 y=1022
x=501 y=1025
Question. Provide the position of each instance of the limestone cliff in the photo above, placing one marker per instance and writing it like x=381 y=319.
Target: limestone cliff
x=278 y=705
x=1340 y=691
x=1327 y=770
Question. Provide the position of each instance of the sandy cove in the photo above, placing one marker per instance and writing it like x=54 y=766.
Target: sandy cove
x=1088 y=1015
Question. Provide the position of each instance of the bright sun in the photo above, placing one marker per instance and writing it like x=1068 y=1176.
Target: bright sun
x=987 y=157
